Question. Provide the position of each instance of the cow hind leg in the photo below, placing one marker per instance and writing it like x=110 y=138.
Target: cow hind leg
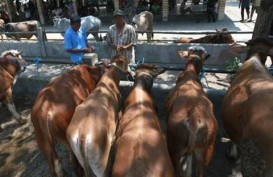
x=18 y=118
x=11 y=107
x=75 y=164
x=47 y=148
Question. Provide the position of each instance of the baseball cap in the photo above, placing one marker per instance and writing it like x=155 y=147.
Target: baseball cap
x=75 y=19
x=118 y=12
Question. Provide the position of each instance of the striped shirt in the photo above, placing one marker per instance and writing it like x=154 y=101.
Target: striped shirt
x=125 y=37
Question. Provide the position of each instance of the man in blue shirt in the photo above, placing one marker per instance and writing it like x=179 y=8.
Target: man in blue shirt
x=75 y=40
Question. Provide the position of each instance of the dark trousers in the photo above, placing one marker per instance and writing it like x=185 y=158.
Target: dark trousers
x=242 y=11
x=211 y=14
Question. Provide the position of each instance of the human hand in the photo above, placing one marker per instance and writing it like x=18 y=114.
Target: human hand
x=88 y=50
x=120 y=48
x=92 y=48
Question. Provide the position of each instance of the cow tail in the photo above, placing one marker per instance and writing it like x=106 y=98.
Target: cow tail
x=186 y=161
x=83 y=149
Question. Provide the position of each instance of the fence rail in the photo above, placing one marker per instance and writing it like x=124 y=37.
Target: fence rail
x=42 y=34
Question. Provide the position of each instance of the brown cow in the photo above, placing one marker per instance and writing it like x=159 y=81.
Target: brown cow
x=54 y=107
x=11 y=65
x=221 y=37
x=248 y=111
x=25 y=26
x=93 y=126
x=141 y=149
x=192 y=126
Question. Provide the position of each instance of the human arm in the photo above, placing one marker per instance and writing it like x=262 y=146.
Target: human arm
x=76 y=44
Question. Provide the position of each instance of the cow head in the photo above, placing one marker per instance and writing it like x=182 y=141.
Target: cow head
x=223 y=36
x=56 y=21
x=14 y=56
x=263 y=47
x=148 y=69
x=121 y=62
x=194 y=50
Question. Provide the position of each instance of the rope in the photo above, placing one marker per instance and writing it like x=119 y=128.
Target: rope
x=134 y=66
x=202 y=75
x=37 y=63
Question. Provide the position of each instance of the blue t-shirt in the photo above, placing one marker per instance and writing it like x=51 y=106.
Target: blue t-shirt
x=75 y=40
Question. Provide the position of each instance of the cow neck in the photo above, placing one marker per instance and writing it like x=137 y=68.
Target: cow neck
x=140 y=93
x=114 y=74
x=11 y=65
x=118 y=67
x=144 y=80
x=194 y=64
x=259 y=55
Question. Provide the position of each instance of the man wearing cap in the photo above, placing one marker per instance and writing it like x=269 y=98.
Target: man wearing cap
x=75 y=40
x=121 y=37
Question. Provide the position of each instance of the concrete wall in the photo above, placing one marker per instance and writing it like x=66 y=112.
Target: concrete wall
x=162 y=53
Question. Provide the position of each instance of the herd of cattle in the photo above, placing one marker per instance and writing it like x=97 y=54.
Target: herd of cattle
x=81 y=109
x=91 y=24
x=142 y=22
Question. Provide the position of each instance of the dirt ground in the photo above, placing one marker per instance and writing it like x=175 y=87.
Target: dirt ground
x=20 y=156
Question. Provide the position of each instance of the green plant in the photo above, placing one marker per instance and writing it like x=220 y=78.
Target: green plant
x=234 y=64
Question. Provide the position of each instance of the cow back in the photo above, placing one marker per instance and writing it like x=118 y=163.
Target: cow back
x=247 y=111
x=25 y=26
x=192 y=126
x=55 y=105
x=90 y=23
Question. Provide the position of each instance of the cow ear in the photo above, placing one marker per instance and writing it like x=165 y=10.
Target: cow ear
x=205 y=56
x=182 y=54
x=160 y=70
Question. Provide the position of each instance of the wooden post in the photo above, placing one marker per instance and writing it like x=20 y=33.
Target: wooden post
x=165 y=10
x=40 y=8
x=116 y=4
x=40 y=36
x=221 y=9
x=58 y=3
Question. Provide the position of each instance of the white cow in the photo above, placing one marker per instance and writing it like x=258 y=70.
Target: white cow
x=144 y=22
x=89 y=24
